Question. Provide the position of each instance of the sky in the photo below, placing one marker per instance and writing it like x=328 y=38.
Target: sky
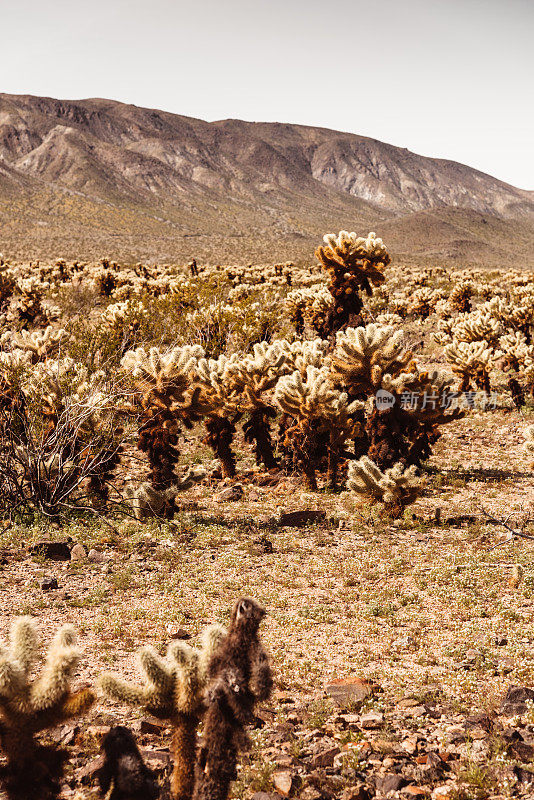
x=444 y=78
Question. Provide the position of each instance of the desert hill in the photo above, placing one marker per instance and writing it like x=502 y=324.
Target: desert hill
x=93 y=177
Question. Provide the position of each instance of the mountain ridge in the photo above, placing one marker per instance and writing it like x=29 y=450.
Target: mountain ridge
x=166 y=176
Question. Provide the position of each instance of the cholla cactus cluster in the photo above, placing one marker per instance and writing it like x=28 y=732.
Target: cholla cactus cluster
x=178 y=689
x=215 y=345
x=353 y=264
x=321 y=413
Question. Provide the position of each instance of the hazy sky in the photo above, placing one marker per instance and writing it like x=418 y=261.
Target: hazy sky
x=446 y=78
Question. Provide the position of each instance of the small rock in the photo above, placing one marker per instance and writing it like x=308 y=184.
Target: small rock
x=480 y=720
x=326 y=757
x=46 y=584
x=231 y=494
x=415 y=791
x=523 y=775
x=521 y=750
x=444 y=792
x=297 y=519
x=283 y=782
x=152 y=726
x=348 y=692
x=371 y=720
x=389 y=783
x=501 y=641
x=179 y=633
x=87 y=774
x=96 y=556
x=265 y=796
x=310 y=793
x=55 y=551
x=409 y=745
x=78 y=553
x=157 y=760
x=515 y=700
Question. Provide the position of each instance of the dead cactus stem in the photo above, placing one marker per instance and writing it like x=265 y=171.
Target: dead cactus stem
x=220 y=433
x=257 y=432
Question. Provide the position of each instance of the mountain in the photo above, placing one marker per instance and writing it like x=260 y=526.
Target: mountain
x=96 y=177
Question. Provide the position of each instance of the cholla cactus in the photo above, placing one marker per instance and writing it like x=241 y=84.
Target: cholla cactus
x=517 y=359
x=362 y=356
x=477 y=327
x=396 y=487
x=250 y=380
x=29 y=706
x=40 y=344
x=7 y=285
x=471 y=361
x=460 y=297
x=173 y=691
x=26 y=302
x=162 y=381
x=320 y=411
x=312 y=304
x=424 y=302
x=353 y=264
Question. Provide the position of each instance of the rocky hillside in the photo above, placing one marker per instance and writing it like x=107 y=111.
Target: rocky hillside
x=84 y=178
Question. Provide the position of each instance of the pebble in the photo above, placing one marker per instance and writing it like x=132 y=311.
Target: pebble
x=78 y=553
x=231 y=494
x=96 y=556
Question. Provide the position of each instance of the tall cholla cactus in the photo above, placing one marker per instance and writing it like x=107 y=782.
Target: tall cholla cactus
x=471 y=361
x=29 y=706
x=353 y=264
x=321 y=412
x=162 y=381
x=373 y=359
x=252 y=378
x=396 y=487
x=173 y=691
x=218 y=401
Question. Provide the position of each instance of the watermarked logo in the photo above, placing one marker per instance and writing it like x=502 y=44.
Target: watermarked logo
x=417 y=401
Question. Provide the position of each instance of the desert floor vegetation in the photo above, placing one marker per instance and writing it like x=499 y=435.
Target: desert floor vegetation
x=350 y=444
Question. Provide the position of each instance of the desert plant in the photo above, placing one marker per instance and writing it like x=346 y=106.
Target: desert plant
x=161 y=400
x=353 y=265
x=472 y=362
x=28 y=706
x=460 y=296
x=396 y=487
x=321 y=413
x=239 y=676
x=173 y=691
